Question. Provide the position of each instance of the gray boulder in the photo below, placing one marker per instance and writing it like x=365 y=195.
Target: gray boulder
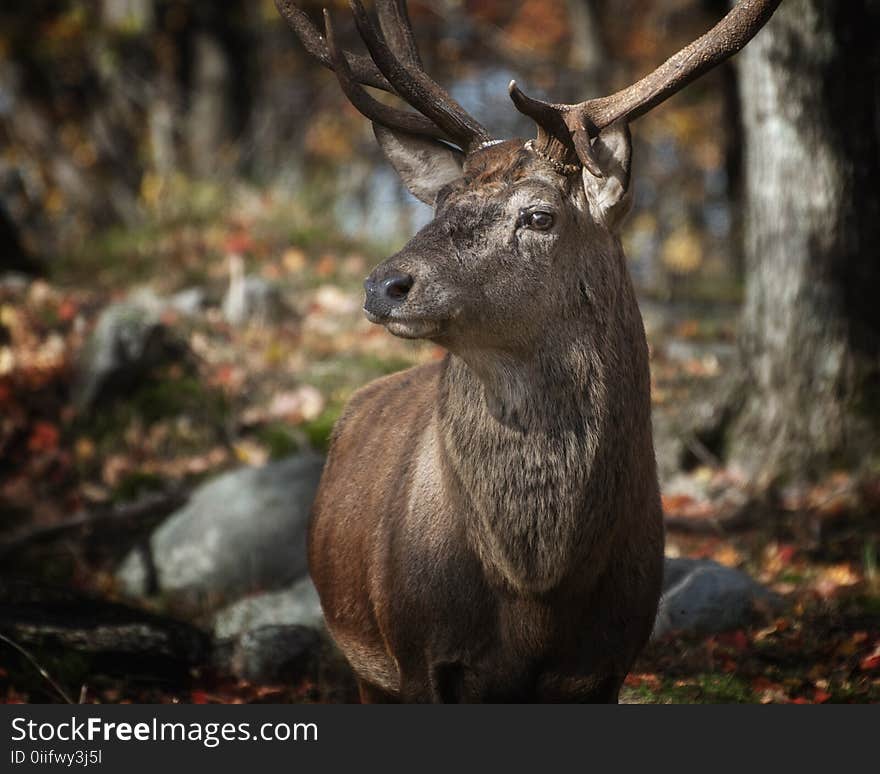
x=129 y=341
x=275 y=636
x=701 y=596
x=252 y=299
x=295 y=606
x=189 y=301
x=242 y=532
x=270 y=654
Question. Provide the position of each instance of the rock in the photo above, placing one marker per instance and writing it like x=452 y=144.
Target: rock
x=701 y=596
x=270 y=654
x=275 y=636
x=14 y=281
x=295 y=606
x=128 y=342
x=242 y=532
x=251 y=299
x=189 y=301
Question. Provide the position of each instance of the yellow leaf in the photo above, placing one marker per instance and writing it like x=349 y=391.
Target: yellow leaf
x=682 y=252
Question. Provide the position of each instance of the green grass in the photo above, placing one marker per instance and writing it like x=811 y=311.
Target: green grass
x=279 y=439
x=204 y=412
x=318 y=431
x=135 y=484
x=708 y=688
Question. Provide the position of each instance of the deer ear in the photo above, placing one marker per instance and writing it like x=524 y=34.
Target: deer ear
x=424 y=165
x=610 y=196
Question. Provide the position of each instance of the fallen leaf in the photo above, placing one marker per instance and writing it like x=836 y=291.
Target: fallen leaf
x=871 y=661
x=44 y=437
x=647 y=679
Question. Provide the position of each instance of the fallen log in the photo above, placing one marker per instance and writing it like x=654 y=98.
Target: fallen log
x=111 y=638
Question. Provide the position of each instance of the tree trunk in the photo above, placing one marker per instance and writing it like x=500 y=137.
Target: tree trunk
x=13 y=256
x=208 y=120
x=810 y=335
x=585 y=71
x=586 y=53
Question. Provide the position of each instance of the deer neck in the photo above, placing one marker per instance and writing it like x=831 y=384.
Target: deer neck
x=521 y=437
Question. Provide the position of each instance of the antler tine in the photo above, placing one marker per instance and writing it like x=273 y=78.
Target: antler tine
x=567 y=128
x=419 y=90
x=554 y=135
x=397 y=29
x=362 y=68
x=413 y=123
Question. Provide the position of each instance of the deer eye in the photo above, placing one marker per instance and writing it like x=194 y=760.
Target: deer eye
x=537 y=220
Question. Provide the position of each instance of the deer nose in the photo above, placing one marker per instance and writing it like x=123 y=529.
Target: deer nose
x=396 y=286
x=390 y=290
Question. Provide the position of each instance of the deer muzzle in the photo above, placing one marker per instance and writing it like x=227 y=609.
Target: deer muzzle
x=383 y=294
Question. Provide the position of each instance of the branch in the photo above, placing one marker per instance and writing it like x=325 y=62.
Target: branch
x=150 y=506
x=58 y=689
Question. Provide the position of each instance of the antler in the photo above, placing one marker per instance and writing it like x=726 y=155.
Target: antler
x=413 y=123
x=364 y=70
x=395 y=66
x=395 y=24
x=417 y=88
x=565 y=131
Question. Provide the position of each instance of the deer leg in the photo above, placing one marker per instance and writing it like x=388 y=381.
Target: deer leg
x=448 y=682
x=370 y=694
x=606 y=692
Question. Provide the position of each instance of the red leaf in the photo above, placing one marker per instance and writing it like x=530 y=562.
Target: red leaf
x=820 y=697
x=67 y=310
x=871 y=661
x=44 y=437
x=738 y=640
x=635 y=680
x=239 y=242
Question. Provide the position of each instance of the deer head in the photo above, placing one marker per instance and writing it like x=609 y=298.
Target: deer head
x=517 y=225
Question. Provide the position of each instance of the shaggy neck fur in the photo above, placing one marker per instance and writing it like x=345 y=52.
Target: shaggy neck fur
x=532 y=441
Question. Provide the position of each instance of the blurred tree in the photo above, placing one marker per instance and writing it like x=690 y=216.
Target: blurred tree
x=810 y=335
x=13 y=256
x=587 y=53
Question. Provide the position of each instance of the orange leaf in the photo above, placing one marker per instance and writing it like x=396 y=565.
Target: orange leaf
x=634 y=680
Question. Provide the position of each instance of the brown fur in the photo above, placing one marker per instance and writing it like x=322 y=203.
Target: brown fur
x=488 y=527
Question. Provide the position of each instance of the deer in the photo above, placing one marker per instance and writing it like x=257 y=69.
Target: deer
x=488 y=526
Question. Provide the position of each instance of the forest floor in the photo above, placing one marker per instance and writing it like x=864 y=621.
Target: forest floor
x=258 y=392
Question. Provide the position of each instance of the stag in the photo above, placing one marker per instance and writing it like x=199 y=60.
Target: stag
x=488 y=526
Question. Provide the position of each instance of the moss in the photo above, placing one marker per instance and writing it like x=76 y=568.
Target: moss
x=342 y=374
x=708 y=688
x=135 y=484
x=118 y=256
x=318 y=431
x=279 y=439
x=384 y=366
x=196 y=415
x=171 y=397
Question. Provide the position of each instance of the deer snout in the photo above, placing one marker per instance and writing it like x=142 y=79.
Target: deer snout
x=385 y=292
